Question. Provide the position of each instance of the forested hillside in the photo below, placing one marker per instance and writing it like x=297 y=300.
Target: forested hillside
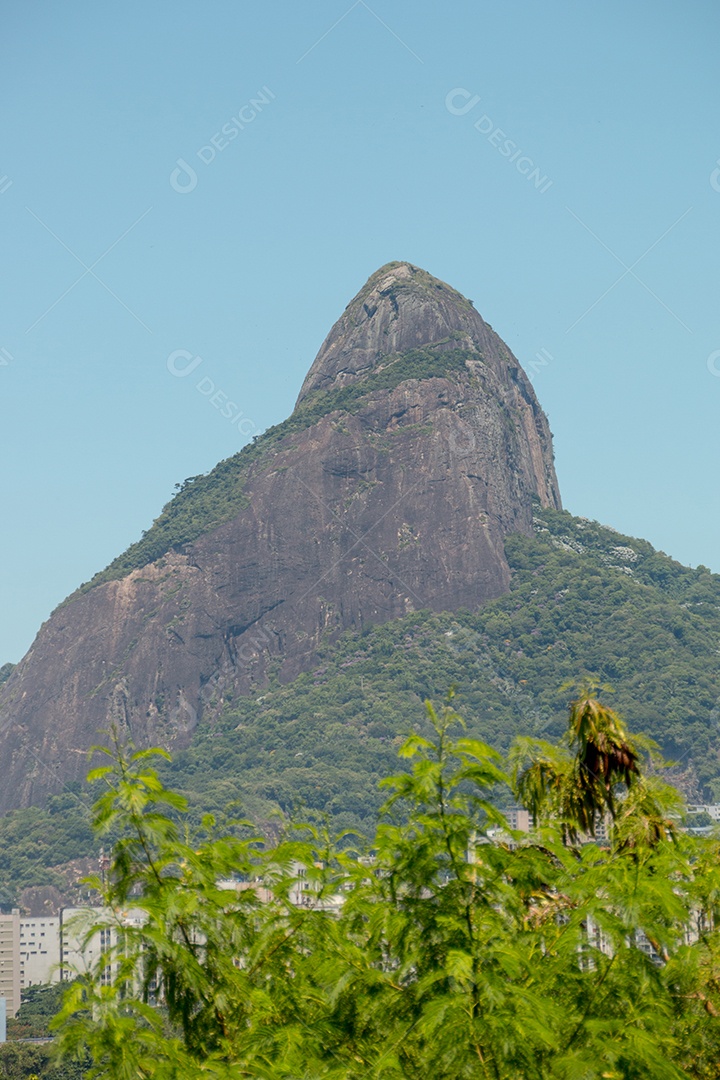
x=584 y=600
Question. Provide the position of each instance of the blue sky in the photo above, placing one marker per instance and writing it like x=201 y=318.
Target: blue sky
x=570 y=186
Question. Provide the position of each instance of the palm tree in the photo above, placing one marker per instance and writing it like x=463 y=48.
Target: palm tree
x=577 y=783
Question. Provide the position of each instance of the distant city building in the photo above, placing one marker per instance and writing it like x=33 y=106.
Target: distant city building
x=10 y=961
x=78 y=955
x=39 y=951
x=603 y=829
x=711 y=809
x=519 y=818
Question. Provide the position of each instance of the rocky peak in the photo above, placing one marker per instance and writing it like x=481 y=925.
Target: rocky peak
x=401 y=307
x=416 y=447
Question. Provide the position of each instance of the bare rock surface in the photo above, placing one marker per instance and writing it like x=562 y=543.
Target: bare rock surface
x=398 y=501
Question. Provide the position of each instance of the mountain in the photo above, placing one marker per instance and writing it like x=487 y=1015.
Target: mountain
x=582 y=599
x=416 y=447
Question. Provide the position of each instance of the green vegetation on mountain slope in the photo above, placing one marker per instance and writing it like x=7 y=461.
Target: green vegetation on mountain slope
x=583 y=599
x=37 y=838
x=205 y=502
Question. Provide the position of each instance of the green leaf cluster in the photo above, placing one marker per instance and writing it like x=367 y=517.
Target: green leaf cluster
x=447 y=947
x=39 y=1005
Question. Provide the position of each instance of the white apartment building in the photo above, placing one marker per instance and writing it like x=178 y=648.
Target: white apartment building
x=39 y=951
x=10 y=961
x=49 y=949
x=78 y=955
x=711 y=809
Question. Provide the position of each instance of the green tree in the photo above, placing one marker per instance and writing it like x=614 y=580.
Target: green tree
x=20 y=1061
x=448 y=947
x=39 y=1005
x=577 y=782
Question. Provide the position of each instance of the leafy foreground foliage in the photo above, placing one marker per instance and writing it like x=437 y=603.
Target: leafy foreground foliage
x=444 y=951
x=582 y=598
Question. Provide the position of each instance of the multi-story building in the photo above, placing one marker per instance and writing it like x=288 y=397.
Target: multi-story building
x=10 y=961
x=711 y=809
x=39 y=951
x=519 y=818
x=78 y=953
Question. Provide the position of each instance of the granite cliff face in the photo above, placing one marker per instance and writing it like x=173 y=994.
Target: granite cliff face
x=416 y=446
